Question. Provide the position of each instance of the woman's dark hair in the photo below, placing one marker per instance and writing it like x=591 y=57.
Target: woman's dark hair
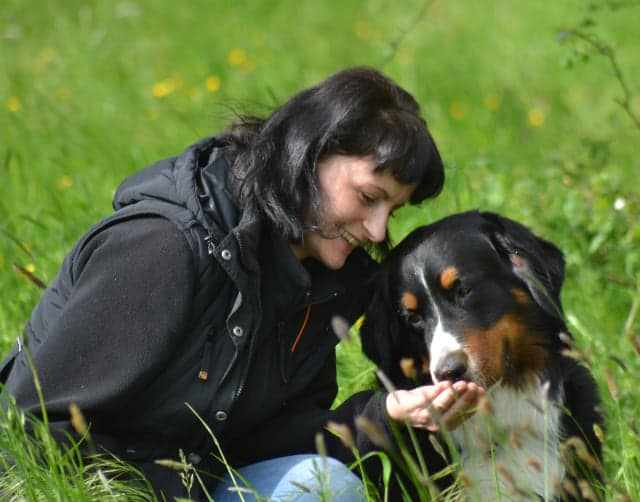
x=358 y=111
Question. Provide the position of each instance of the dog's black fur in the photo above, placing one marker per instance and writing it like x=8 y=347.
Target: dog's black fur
x=483 y=292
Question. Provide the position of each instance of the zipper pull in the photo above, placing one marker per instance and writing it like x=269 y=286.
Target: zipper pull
x=211 y=247
x=203 y=373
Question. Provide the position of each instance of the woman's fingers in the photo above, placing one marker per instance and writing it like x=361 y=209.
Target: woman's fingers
x=463 y=407
x=415 y=405
x=432 y=406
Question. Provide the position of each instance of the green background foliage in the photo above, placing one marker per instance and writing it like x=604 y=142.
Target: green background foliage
x=532 y=104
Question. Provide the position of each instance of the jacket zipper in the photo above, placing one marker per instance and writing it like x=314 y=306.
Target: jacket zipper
x=203 y=373
x=283 y=353
x=211 y=247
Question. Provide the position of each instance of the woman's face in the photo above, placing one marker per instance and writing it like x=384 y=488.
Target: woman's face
x=356 y=203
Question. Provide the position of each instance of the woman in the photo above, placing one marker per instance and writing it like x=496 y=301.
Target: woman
x=207 y=297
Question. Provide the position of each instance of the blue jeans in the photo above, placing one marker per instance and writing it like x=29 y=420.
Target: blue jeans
x=300 y=478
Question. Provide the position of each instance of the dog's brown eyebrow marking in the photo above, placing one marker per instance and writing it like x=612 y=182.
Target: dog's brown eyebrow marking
x=522 y=297
x=409 y=301
x=448 y=277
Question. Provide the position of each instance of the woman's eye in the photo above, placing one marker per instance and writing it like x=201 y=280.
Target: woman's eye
x=367 y=198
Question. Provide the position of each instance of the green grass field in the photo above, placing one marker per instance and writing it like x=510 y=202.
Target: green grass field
x=535 y=106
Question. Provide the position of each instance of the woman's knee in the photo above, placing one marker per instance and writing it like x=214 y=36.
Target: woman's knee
x=300 y=478
x=320 y=478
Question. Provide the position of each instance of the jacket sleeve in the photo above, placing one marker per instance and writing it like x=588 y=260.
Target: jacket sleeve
x=109 y=321
x=295 y=427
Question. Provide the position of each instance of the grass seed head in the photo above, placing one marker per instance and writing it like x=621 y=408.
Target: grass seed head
x=623 y=497
x=581 y=452
x=464 y=480
x=341 y=328
x=514 y=439
x=509 y=480
x=343 y=432
x=586 y=490
x=437 y=446
x=171 y=464
x=408 y=367
x=377 y=436
x=612 y=383
x=485 y=406
x=566 y=339
x=78 y=421
x=573 y=354
x=534 y=464
x=597 y=430
x=321 y=446
x=526 y=427
x=570 y=488
x=301 y=486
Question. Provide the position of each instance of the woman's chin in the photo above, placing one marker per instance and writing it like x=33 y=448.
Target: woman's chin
x=337 y=258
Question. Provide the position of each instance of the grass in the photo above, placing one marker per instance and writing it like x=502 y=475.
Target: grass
x=531 y=123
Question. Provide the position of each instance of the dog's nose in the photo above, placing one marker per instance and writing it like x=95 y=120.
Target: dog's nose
x=452 y=367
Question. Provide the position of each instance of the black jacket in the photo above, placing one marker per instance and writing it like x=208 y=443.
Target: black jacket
x=180 y=310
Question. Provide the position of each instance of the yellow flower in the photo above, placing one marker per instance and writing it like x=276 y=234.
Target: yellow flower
x=213 y=83
x=13 y=104
x=492 y=101
x=458 y=111
x=363 y=30
x=535 y=117
x=65 y=182
x=166 y=86
x=237 y=57
x=359 y=323
x=161 y=89
x=30 y=267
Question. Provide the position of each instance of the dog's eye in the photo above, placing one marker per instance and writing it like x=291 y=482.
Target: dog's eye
x=414 y=319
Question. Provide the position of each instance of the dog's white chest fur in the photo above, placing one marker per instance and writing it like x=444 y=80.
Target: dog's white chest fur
x=514 y=450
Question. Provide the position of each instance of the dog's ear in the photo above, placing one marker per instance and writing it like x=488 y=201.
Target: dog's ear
x=539 y=263
x=380 y=330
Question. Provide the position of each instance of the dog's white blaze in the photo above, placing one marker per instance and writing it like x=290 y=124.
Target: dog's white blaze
x=520 y=436
x=442 y=344
x=442 y=341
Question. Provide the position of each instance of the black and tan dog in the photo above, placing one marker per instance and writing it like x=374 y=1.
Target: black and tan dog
x=476 y=297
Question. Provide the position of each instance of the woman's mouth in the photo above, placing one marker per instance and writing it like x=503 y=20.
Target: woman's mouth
x=353 y=241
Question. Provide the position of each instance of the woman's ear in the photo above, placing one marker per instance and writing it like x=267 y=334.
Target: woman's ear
x=537 y=262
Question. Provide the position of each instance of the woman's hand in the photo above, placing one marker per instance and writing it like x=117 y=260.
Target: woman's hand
x=431 y=406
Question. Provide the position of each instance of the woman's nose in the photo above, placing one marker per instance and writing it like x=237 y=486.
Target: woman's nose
x=376 y=225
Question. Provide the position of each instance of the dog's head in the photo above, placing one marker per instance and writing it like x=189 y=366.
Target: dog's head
x=474 y=297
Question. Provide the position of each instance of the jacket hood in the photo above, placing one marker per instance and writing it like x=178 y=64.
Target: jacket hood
x=196 y=180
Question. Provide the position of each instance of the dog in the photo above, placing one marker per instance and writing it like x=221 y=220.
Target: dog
x=476 y=297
